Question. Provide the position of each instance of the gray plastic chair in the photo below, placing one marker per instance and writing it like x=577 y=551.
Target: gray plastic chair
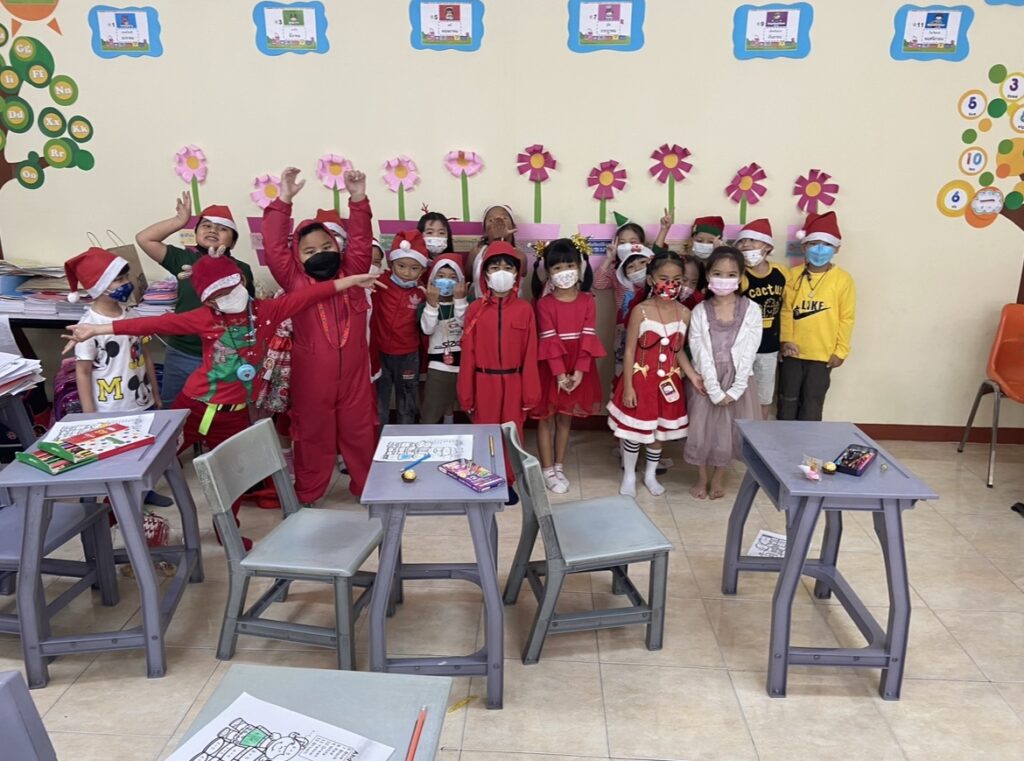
x=24 y=737
x=310 y=545
x=603 y=534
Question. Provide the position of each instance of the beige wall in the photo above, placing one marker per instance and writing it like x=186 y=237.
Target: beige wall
x=929 y=287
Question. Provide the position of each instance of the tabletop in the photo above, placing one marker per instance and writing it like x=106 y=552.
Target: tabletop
x=782 y=445
x=384 y=485
x=126 y=466
x=382 y=707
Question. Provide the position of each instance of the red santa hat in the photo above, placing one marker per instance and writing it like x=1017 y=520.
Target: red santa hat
x=93 y=270
x=713 y=225
x=448 y=260
x=330 y=219
x=409 y=244
x=823 y=227
x=214 y=273
x=219 y=215
x=759 y=229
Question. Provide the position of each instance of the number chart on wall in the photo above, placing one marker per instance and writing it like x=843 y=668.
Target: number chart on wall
x=125 y=31
x=935 y=32
x=446 y=26
x=772 y=31
x=606 y=26
x=290 y=28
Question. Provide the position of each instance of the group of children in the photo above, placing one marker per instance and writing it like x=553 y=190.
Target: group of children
x=724 y=317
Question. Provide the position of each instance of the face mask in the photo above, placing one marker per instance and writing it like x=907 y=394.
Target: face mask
x=402 y=283
x=122 y=293
x=501 y=281
x=445 y=286
x=436 y=245
x=703 y=250
x=626 y=249
x=638 y=277
x=666 y=290
x=685 y=292
x=820 y=254
x=375 y=269
x=723 y=286
x=754 y=256
x=323 y=265
x=565 y=278
x=234 y=302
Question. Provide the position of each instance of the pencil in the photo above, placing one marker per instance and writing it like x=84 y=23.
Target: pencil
x=416 y=732
x=490 y=443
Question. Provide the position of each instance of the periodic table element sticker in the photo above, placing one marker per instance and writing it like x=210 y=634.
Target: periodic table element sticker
x=772 y=31
x=447 y=26
x=132 y=32
x=930 y=33
x=291 y=28
x=615 y=26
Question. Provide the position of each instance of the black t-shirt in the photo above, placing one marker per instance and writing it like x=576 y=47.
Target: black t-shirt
x=766 y=292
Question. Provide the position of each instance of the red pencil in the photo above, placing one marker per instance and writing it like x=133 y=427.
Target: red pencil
x=416 y=732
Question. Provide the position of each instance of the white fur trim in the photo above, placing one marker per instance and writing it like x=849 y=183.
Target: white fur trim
x=335 y=228
x=824 y=237
x=459 y=274
x=646 y=425
x=221 y=221
x=754 y=235
x=218 y=285
x=109 y=276
x=407 y=253
x=73 y=297
x=801 y=234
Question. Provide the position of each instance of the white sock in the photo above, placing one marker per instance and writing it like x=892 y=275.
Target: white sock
x=449 y=419
x=630 y=454
x=650 y=472
x=560 y=473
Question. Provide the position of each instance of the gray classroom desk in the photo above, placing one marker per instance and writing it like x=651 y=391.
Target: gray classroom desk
x=773 y=451
x=382 y=707
x=434 y=493
x=124 y=478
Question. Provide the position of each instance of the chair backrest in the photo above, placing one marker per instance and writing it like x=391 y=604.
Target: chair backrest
x=24 y=736
x=1006 y=348
x=532 y=492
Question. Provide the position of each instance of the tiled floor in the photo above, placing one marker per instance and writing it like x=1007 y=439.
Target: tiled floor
x=602 y=695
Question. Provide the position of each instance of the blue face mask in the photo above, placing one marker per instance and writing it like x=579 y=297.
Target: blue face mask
x=445 y=285
x=819 y=254
x=402 y=283
x=122 y=293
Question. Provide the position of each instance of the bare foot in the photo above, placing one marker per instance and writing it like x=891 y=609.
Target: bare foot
x=698 y=491
x=717 y=492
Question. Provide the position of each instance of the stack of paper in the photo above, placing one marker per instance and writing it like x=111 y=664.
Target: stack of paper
x=47 y=283
x=162 y=292
x=10 y=305
x=32 y=269
x=43 y=303
x=18 y=374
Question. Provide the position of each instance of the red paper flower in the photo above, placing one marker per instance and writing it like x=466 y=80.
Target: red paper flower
x=535 y=160
x=670 y=163
x=606 y=178
x=813 y=189
x=746 y=185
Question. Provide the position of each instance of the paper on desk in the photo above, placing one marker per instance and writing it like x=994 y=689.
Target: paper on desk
x=409 y=448
x=251 y=728
x=768 y=544
x=65 y=428
x=7 y=342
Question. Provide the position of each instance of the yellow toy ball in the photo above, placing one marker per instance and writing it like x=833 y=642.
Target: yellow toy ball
x=409 y=476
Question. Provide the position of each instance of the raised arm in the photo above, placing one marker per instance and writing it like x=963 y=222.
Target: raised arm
x=277 y=218
x=359 y=252
x=151 y=240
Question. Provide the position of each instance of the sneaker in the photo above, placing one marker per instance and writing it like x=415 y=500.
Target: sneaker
x=157 y=500
x=554 y=483
x=560 y=475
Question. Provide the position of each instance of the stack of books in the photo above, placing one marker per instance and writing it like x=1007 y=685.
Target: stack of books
x=159 y=298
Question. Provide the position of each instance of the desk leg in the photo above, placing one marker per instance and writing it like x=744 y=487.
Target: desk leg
x=127 y=506
x=15 y=417
x=734 y=535
x=799 y=530
x=32 y=618
x=480 y=521
x=889 y=528
x=393 y=520
x=829 y=549
x=189 y=520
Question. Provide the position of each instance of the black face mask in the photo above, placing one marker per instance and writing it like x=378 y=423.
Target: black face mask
x=323 y=265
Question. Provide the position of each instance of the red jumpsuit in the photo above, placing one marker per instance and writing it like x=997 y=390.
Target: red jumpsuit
x=334 y=409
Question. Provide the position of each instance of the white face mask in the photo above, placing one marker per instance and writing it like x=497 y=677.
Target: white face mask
x=375 y=269
x=637 y=277
x=703 y=250
x=754 y=256
x=436 y=245
x=235 y=302
x=565 y=278
x=501 y=281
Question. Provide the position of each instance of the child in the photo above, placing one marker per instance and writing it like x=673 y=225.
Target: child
x=568 y=345
x=216 y=227
x=332 y=399
x=442 y=318
x=437 y=234
x=499 y=225
x=233 y=330
x=766 y=281
x=725 y=331
x=648 y=406
x=395 y=328
x=705 y=235
x=817 y=321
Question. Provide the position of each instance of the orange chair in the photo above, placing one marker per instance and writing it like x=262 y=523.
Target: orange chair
x=1005 y=375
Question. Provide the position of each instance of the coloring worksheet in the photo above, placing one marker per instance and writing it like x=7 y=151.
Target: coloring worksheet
x=768 y=544
x=409 y=448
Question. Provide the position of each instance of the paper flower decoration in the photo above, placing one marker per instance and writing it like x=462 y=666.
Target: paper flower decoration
x=606 y=178
x=670 y=167
x=267 y=188
x=746 y=188
x=330 y=170
x=535 y=160
x=190 y=166
x=464 y=164
x=815 y=189
x=400 y=175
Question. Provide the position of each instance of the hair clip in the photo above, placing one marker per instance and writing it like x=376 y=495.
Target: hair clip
x=582 y=244
x=539 y=247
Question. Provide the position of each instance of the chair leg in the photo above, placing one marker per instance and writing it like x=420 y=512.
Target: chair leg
x=516 y=574
x=8 y=583
x=995 y=437
x=984 y=388
x=657 y=590
x=103 y=558
x=238 y=588
x=344 y=623
x=545 y=612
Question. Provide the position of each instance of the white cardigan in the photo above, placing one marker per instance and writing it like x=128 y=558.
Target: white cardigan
x=744 y=350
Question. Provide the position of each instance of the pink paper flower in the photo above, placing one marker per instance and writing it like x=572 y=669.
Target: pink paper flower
x=535 y=160
x=670 y=163
x=190 y=164
x=606 y=178
x=330 y=170
x=458 y=162
x=268 y=187
x=746 y=185
x=400 y=172
x=815 y=189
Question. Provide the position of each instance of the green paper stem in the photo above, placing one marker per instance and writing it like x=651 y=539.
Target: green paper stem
x=671 y=195
x=337 y=201
x=743 y=209
x=465 y=197
x=603 y=213
x=401 y=202
x=536 y=203
x=195 y=196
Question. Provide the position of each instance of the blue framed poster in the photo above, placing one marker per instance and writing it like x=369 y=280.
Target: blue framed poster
x=606 y=26
x=291 y=27
x=932 y=32
x=772 y=31
x=447 y=26
x=132 y=31
x=1005 y=2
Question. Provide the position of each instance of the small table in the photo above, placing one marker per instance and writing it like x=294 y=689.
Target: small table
x=433 y=493
x=124 y=479
x=773 y=450
x=382 y=707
